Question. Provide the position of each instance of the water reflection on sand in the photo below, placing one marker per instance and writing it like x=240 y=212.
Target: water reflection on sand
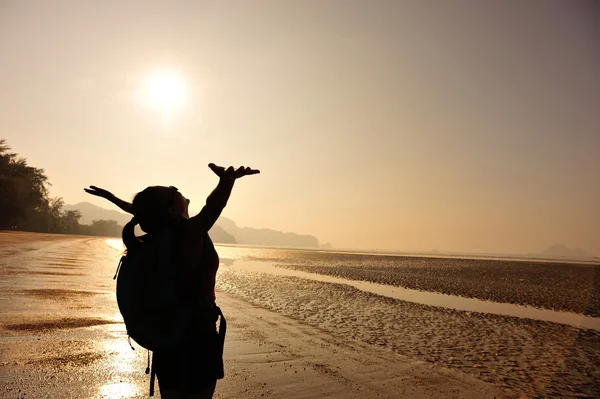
x=118 y=390
x=433 y=298
x=116 y=244
x=122 y=360
x=124 y=357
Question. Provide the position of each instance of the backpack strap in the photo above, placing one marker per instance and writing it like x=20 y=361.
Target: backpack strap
x=119 y=267
x=222 y=328
x=152 y=374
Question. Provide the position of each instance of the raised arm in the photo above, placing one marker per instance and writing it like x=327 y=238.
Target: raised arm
x=217 y=200
x=100 y=192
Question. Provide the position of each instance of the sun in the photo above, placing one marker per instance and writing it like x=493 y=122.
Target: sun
x=165 y=91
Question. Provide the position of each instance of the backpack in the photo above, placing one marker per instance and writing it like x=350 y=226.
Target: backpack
x=147 y=295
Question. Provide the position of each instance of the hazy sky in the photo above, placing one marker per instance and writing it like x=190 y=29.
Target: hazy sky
x=468 y=126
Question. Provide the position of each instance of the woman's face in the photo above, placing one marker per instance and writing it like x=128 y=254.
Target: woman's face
x=179 y=205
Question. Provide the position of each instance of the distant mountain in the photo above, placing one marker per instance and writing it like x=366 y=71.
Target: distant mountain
x=562 y=251
x=217 y=234
x=91 y=212
x=224 y=231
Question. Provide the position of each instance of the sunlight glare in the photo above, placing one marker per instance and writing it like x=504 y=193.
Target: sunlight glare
x=165 y=91
x=116 y=244
x=118 y=390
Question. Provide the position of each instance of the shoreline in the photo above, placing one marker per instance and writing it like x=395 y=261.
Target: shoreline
x=594 y=261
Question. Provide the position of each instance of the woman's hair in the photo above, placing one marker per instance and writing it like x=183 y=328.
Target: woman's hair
x=150 y=209
x=128 y=235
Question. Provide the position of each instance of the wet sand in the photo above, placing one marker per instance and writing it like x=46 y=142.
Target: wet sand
x=62 y=336
x=570 y=287
x=521 y=356
x=429 y=298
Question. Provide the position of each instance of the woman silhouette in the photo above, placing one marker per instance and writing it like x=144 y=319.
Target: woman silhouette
x=190 y=370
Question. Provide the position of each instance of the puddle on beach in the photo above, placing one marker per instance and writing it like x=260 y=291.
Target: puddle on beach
x=416 y=296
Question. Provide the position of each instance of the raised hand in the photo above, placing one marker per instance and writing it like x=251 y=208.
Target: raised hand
x=99 y=192
x=231 y=173
x=102 y=193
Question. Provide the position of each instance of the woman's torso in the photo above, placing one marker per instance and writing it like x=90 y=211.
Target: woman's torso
x=197 y=263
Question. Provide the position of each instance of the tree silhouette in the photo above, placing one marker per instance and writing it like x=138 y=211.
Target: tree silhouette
x=25 y=204
x=23 y=188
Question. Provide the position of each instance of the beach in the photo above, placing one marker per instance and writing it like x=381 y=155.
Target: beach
x=564 y=286
x=290 y=336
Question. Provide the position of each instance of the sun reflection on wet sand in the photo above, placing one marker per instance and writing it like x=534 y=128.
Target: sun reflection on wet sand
x=124 y=356
x=116 y=244
x=118 y=390
x=124 y=363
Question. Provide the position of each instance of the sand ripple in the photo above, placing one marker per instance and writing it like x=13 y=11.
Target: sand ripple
x=558 y=286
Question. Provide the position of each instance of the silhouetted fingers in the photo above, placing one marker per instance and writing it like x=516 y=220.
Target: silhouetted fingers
x=253 y=171
x=217 y=169
x=97 y=191
x=241 y=171
x=246 y=171
x=232 y=172
x=100 y=190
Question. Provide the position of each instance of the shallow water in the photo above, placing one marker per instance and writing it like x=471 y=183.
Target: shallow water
x=432 y=298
